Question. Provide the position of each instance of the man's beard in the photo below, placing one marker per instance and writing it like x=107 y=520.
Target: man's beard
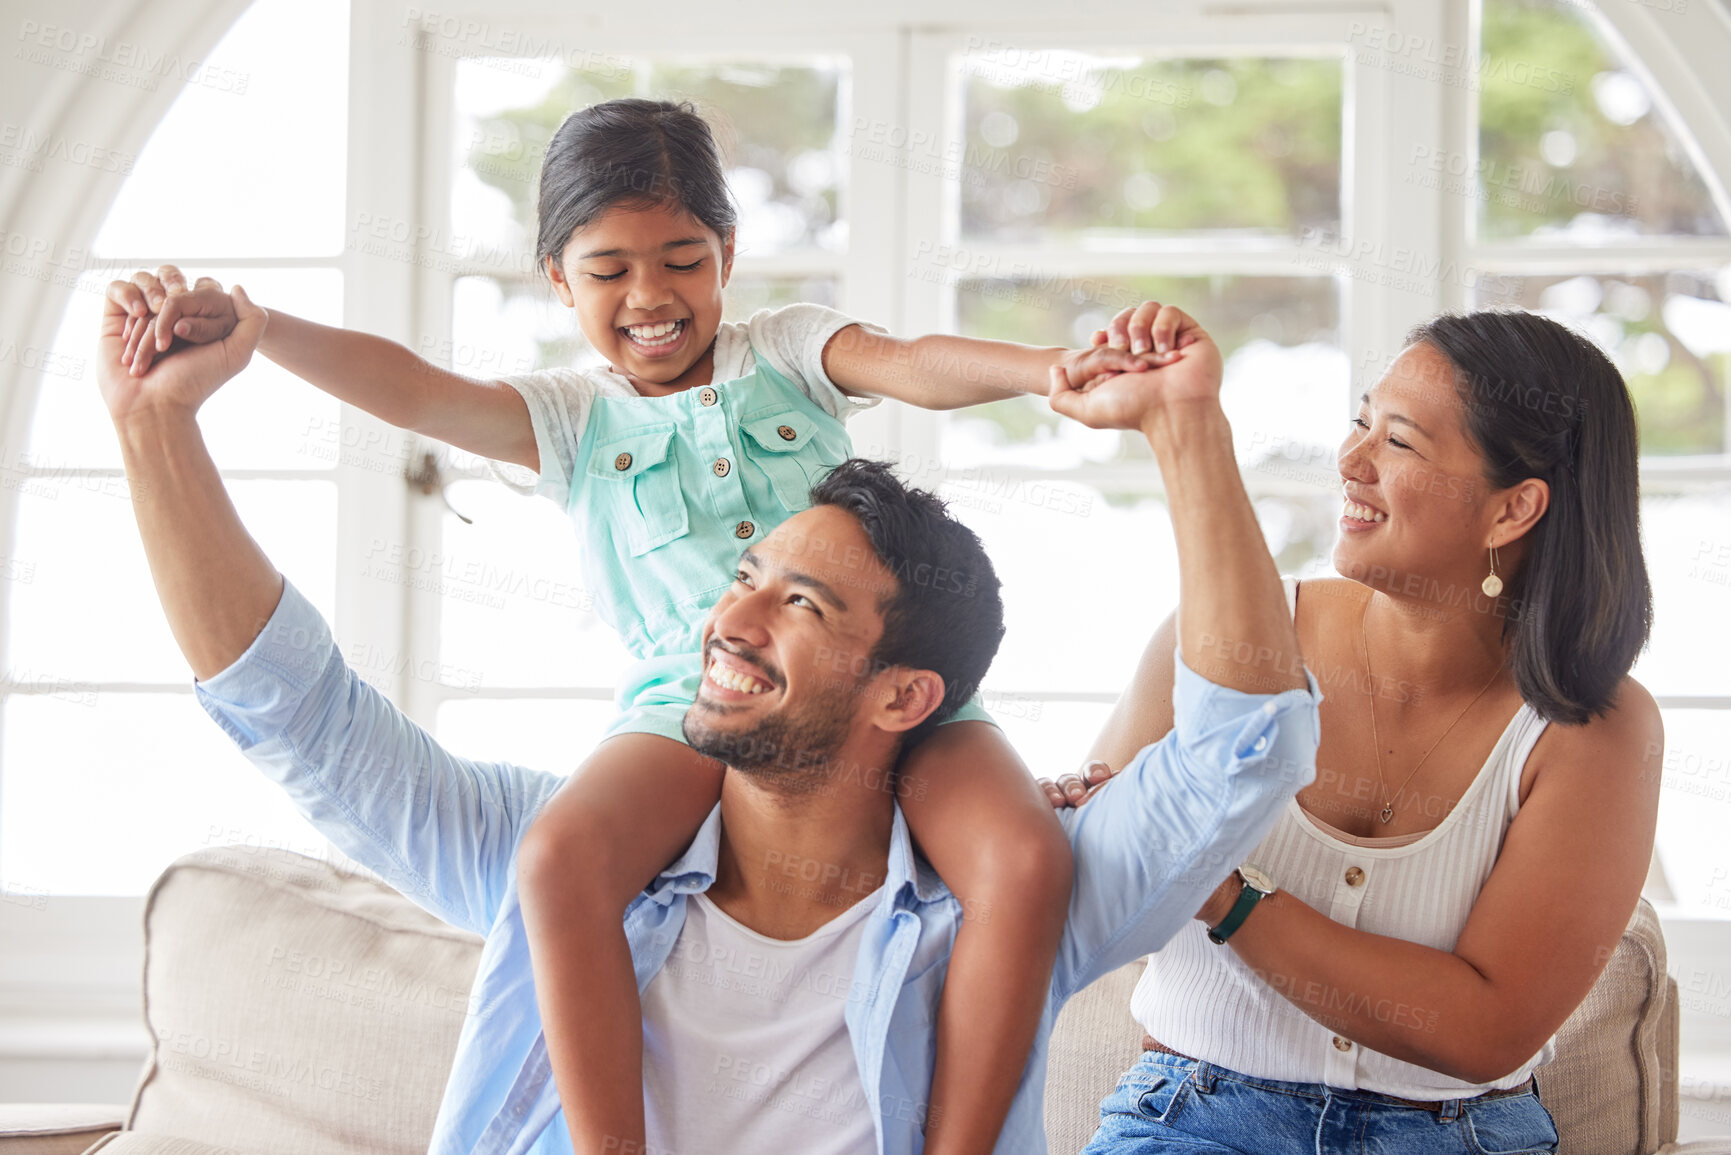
x=789 y=753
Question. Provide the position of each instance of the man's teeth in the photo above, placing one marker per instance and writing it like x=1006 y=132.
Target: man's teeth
x=660 y=333
x=1364 y=512
x=731 y=679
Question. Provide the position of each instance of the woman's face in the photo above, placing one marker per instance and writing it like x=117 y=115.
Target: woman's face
x=646 y=283
x=1417 y=516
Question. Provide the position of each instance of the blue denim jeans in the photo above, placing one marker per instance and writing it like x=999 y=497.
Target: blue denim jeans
x=1170 y=1104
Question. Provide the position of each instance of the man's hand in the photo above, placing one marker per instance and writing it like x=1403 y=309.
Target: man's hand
x=183 y=381
x=1133 y=330
x=160 y=309
x=1190 y=372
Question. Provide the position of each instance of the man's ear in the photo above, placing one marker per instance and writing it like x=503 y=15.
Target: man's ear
x=910 y=697
x=560 y=286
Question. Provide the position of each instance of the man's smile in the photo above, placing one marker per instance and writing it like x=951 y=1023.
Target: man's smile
x=734 y=675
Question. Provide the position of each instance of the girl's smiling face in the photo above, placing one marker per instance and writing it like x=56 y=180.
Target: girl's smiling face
x=646 y=283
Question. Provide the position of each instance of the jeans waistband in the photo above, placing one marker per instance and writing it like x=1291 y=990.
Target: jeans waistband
x=1206 y=1074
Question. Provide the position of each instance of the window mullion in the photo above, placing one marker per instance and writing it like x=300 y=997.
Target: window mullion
x=873 y=201
x=420 y=529
x=378 y=297
x=916 y=143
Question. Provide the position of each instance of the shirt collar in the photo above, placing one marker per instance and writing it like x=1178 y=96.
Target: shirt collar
x=907 y=871
x=693 y=871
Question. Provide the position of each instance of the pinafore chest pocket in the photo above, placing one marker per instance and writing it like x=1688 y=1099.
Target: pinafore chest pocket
x=776 y=442
x=637 y=480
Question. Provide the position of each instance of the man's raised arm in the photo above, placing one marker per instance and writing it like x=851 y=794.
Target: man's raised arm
x=1159 y=838
x=217 y=587
x=1228 y=587
x=444 y=830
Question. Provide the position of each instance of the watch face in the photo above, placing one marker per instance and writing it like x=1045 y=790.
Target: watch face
x=1258 y=878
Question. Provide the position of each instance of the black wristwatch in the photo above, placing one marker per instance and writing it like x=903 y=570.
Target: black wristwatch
x=1257 y=886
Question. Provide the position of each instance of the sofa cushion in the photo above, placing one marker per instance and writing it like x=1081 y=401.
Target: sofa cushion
x=141 y=1143
x=295 y=1008
x=1093 y=1042
x=1604 y=1088
x=55 y=1128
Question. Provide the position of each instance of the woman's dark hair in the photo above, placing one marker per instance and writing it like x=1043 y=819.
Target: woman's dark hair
x=1542 y=401
x=642 y=152
x=946 y=614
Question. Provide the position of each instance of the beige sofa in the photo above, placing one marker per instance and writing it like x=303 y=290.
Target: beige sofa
x=300 y=1010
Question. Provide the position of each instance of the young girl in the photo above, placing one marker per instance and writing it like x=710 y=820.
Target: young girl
x=692 y=442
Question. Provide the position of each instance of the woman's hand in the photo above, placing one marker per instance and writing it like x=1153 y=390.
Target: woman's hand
x=160 y=309
x=1191 y=372
x=183 y=381
x=1074 y=789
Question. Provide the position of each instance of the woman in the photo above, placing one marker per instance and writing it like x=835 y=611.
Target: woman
x=1447 y=890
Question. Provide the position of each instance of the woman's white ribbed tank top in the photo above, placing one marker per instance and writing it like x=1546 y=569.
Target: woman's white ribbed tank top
x=1199 y=999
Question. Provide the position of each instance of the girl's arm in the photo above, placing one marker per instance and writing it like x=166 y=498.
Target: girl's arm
x=944 y=372
x=980 y=821
x=486 y=418
x=1546 y=922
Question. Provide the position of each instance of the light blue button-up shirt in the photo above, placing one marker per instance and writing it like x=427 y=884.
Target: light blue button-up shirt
x=445 y=830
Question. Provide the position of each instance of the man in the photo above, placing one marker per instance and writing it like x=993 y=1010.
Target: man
x=821 y=1040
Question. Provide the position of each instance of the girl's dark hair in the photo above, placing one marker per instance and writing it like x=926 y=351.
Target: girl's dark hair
x=947 y=613
x=1542 y=401
x=645 y=152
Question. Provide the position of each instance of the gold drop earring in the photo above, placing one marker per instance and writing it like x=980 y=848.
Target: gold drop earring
x=1492 y=585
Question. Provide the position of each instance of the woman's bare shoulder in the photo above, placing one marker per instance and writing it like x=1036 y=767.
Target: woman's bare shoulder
x=1630 y=733
x=1323 y=603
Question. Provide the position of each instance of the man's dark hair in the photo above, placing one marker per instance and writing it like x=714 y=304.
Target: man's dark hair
x=946 y=614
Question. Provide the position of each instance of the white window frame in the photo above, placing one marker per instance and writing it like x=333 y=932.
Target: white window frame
x=900 y=75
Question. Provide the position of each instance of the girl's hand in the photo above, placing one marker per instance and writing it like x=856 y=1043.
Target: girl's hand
x=183 y=381
x=1074 y=789
x=160 y=308
x=1133 y=330
x=1189 y=373
x=1082 y=367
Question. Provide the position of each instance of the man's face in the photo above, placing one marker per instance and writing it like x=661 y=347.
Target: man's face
x=787 y=672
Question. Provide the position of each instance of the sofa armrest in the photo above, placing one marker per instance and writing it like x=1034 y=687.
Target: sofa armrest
x=56 y=1128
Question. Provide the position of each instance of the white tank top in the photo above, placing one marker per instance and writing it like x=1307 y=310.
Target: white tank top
x=1200 y=999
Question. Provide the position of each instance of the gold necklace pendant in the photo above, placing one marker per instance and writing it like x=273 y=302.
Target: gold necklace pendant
x=1387 y=814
